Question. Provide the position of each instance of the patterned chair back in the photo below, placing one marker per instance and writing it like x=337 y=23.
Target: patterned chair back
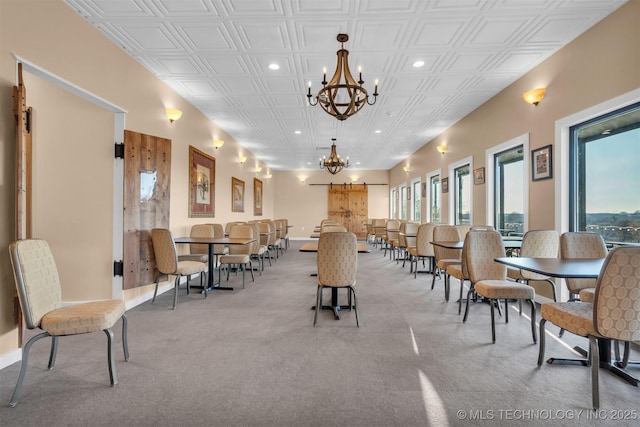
x=411 y=228
x=218 y=233
x=337 y=259
x=241 y=231
x=539 y=244
x=446 y=233
x=201 y=230
x=37 y=279
x=481 y=247
x=580 y=244
x=617 y=299
x=424 y=239
x=164 y=249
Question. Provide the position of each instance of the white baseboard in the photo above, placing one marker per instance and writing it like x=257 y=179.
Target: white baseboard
x=10 y=358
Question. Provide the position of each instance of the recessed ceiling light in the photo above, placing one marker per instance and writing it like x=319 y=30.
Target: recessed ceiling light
x=357 y=163
x=274 y=66
x=297 y=132
x=308 y=163
x=378 y=131
x=418 y=64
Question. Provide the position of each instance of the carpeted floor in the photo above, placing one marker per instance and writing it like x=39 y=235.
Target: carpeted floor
x=251 y=357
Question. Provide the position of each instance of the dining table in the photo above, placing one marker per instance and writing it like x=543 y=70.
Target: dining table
x=211 y=242
x=573 y=268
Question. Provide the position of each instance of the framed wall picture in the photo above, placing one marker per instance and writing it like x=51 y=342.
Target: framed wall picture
x=478 y=176
x=408 y=193
x=237 y=195
x=444 y=182
x=541 y=163
x=202 y=178
x=423 y=189
x=257 y=197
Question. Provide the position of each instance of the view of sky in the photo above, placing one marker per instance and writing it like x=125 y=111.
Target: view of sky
x=613 y=182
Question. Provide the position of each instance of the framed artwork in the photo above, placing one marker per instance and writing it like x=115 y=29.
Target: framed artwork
x=202 y=178
x=408 y=193
x=541 y=163
x=445 y=184
x=237 y=195
x=478 y=176
x=257 y=197
x=423 y=190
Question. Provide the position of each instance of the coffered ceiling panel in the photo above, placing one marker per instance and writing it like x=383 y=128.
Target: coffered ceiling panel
x=217 y=53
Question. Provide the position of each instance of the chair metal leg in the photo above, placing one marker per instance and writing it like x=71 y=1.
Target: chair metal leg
x=110 y=360
x=53 y=353
x=533 y=320
x=594 y=358
x=175 y=291
x=155 y=292
x=23 y=367
x=493 y=320
x=355 y=302
x=542 y=341
x=125 y=342
x=318 y=305
x=466 y=309
x=204 y=286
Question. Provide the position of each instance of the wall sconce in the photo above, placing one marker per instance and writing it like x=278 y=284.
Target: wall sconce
x=302 y=180
x=442 y=149
x=173 y=114
x=354 y=179
x=218 y=143
x=268 y=176
x=258 y=169
x=534 y=95
x=407 y=169
x=242 y=159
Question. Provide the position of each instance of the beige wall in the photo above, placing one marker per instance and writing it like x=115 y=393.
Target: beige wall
x=601 y=64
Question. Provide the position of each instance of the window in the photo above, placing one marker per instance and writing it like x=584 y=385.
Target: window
x=394 y=201
x=508 y=194
x=403 y=202
x=462 y=195
x=434 y=198
x=415 y=197
x=604 y=178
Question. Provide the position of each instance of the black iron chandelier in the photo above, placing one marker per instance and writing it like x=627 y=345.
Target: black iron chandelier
x=342 y=97
x=333 y=164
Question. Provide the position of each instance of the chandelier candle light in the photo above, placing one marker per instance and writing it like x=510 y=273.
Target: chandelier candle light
x=333 y=164
x=342 y=97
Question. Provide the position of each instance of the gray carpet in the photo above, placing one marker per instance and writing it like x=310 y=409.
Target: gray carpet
x=251 y=357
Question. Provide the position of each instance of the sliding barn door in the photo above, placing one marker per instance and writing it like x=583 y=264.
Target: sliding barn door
x=147 y=181
x=348 y=205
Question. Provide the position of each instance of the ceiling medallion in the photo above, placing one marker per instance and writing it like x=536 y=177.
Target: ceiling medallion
x=333 y=164
x=342 y=97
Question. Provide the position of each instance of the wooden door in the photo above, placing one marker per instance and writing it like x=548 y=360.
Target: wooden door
x=23 y=213
x=348 y=205
x=147 y=183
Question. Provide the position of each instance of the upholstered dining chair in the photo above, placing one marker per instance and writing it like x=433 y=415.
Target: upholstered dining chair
x=580 y=244
x=337 y=266
x=198 y=252
x=40 y=294
x=380 y=229
x=423 y=249
x=258 y=250
x=410 y=241
x=391 y=235
x=489 y=278
x=445 y=257
x=614 y=313
x=164 y=249
x=537 y=244
x=239 y=255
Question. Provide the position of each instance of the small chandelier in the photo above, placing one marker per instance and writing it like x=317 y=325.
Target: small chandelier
x=333 y=164
x=342 y=97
